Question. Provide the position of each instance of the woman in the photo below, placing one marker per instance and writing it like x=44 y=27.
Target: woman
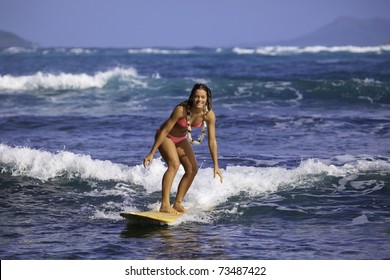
x=171 y=141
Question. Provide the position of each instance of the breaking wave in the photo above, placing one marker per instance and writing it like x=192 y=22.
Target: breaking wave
x=290 y=50
x=44 y=165
x=71 y=81
x=160 y=51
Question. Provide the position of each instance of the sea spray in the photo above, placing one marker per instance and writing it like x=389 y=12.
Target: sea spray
x=43 y=165
x=70 y=81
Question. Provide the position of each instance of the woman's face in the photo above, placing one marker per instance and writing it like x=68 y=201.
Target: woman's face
x=200 y=98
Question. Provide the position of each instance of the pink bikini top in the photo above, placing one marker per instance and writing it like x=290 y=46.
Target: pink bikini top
x=183 y=122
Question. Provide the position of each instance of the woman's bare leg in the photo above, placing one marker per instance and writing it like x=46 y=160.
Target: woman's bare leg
x=187 y=159
x=168 y=152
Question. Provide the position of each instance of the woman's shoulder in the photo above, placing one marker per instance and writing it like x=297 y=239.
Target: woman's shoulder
x=210 y=115
x=180 y=109
x=183 y=104
x=210 y=112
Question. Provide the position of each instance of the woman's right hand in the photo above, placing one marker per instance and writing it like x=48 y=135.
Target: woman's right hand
x=148 y=160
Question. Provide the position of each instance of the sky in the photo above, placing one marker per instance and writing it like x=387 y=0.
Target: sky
x=175 y=23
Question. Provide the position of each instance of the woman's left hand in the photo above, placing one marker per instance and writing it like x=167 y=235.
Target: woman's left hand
x=218 y=171
x=148 y=160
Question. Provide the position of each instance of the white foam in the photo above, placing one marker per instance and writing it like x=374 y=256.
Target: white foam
x=159 y=51
x=238 y=50
x=367 y=82
x=289 y=50
x=361 y=220
x=283 y=86
x=18 y=50
x=345 y=158
x=70 y=81
x=79 y=51
x=43 y=165
x=206 y=191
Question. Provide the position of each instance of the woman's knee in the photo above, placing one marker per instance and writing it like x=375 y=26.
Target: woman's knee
x=174 y=165
x=192 y=170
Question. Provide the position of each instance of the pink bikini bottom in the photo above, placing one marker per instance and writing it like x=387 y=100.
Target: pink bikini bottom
x=175 y=139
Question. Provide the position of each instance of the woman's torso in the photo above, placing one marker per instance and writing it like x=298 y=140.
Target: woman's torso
x=180 y=127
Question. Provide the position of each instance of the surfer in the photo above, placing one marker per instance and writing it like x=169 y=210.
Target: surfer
x=173 y=140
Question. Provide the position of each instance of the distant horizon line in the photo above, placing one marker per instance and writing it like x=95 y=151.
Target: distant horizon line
x=196 y=47
x=278 y=42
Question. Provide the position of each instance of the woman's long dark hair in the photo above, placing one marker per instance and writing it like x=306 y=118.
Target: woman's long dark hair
x=209 y=102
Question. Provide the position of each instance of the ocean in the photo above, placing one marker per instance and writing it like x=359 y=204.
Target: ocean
x=303 y=138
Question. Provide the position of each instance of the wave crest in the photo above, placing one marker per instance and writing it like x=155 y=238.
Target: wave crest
x=160 y=51
x=70 y=81
x=289 y=50
x=44 y=165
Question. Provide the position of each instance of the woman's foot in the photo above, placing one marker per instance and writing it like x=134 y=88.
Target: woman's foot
x=169 y=210
x=178 y=207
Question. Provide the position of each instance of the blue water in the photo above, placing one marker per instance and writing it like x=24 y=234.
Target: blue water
x=303 y=137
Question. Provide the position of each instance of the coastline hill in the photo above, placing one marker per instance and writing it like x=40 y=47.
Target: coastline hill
x=346 y=31
x=8 y=39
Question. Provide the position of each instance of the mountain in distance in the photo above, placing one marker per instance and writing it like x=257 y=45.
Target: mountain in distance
x=8 y=39
x=346 y=31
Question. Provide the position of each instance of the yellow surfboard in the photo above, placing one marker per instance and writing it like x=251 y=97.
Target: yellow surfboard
x=153 y=217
